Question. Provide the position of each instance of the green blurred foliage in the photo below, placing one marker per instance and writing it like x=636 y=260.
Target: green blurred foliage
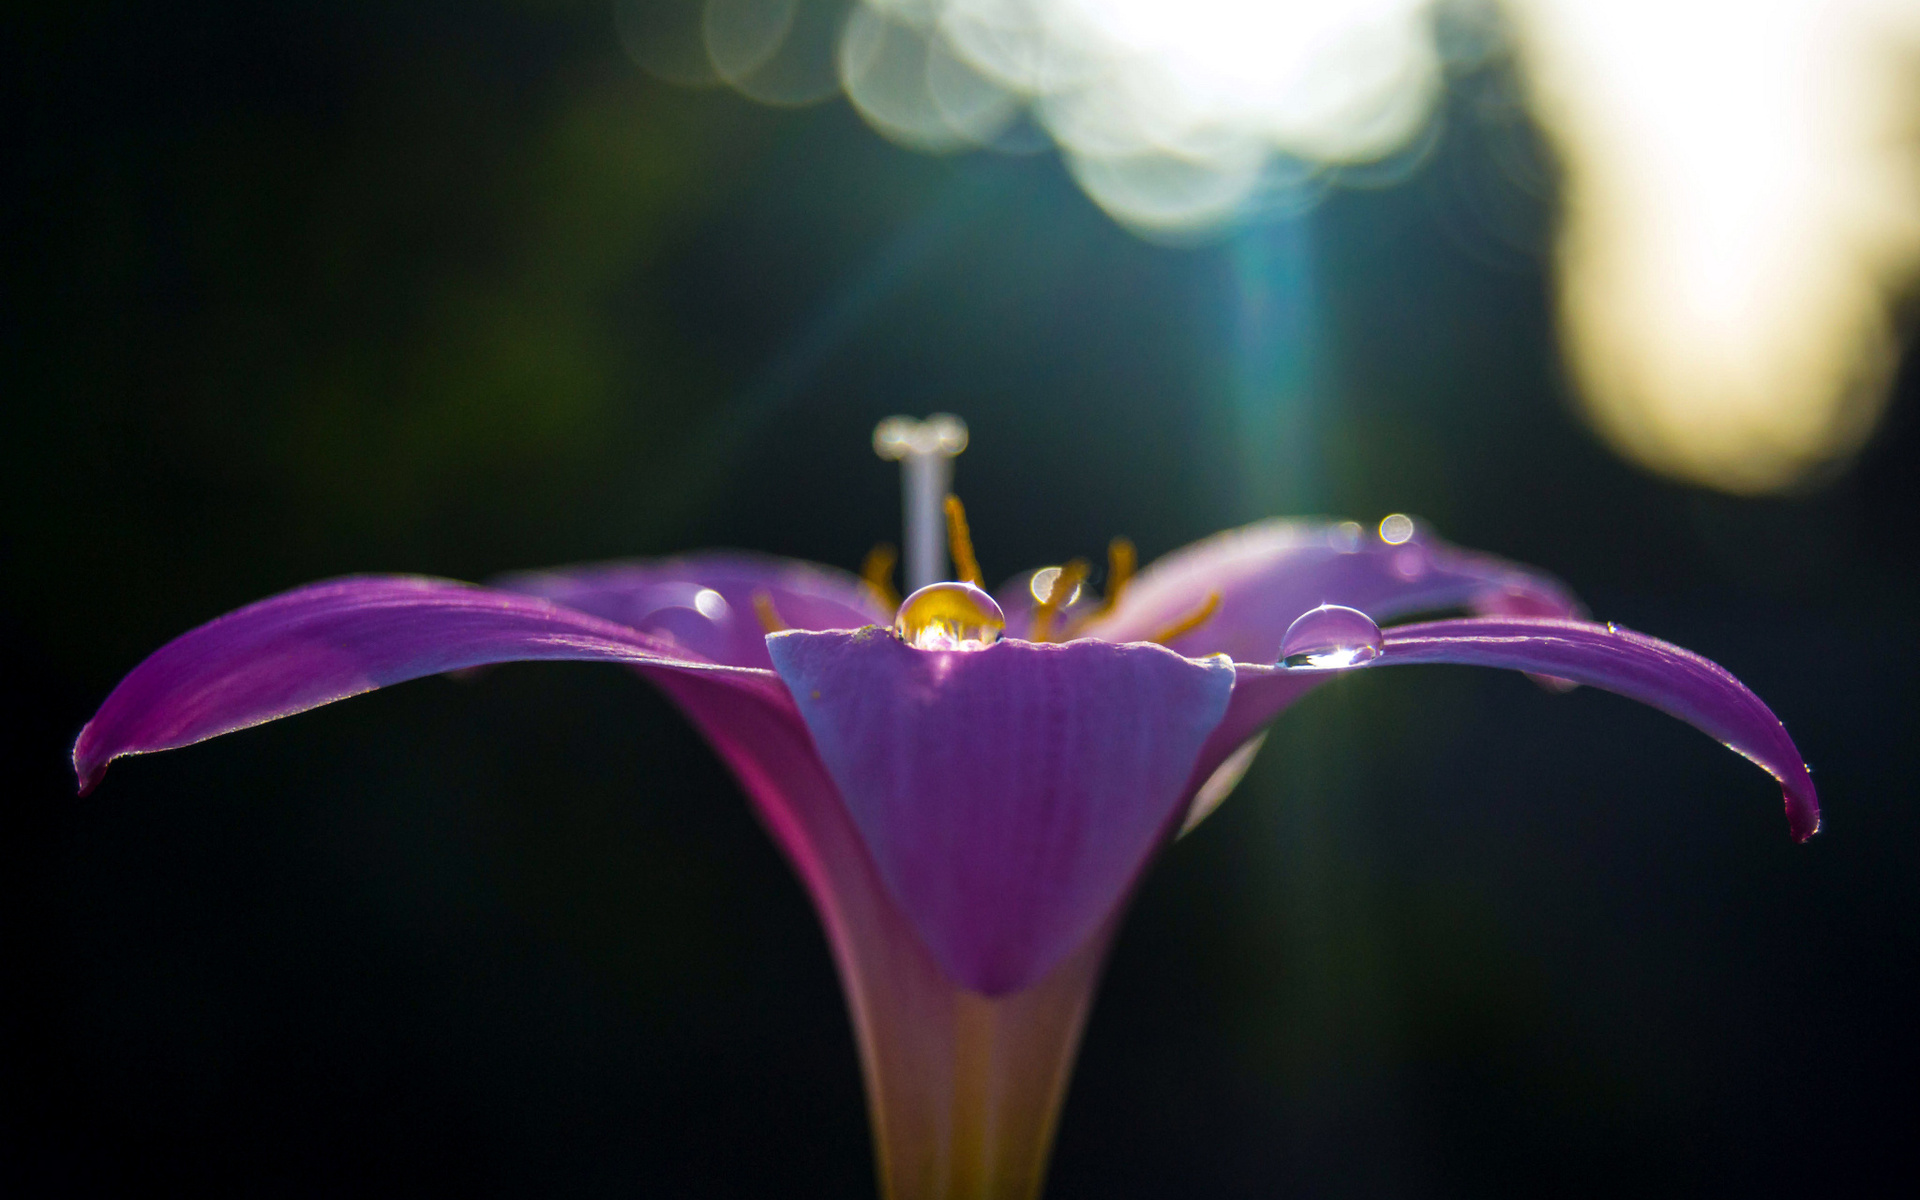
x=407 y=319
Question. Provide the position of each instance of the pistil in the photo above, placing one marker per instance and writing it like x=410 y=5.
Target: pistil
x=925 y=451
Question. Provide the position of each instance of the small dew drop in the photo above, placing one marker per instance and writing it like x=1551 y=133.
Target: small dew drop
x=1329 y=638
x=949 y=616
x=1396 y=529
x=710 y=604
x=1041 y=586
x=1345 y=537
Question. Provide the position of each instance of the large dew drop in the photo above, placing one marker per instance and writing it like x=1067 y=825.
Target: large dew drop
x=1328 y=638
x=949 y=616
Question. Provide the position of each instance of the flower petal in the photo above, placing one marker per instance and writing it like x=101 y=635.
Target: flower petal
x=941 y=1064
x=1270 y=572
x=1009 y=795
x=1675 y=681
x=663 y=597
x=332 y=640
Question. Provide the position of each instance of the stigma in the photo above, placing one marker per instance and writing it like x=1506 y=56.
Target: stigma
x=949 y=616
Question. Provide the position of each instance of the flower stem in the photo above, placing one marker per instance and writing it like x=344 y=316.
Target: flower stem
x=966 y=1089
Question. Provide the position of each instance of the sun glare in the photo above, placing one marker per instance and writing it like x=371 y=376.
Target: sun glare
x=1741 y=201
x=1739 y=212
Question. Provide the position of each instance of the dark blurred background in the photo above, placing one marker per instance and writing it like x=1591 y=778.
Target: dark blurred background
x=297 y=290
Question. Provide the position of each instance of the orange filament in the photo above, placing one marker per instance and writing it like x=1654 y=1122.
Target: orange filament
x=1192 y=621
x=768 y=614
x=1121 y=560
x=1065 y=584
x=960 y=543
x=877 y=571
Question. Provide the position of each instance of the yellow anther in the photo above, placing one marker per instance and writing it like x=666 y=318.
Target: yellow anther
x=877 y=571
x=1121 y=560
x=1065 y=584
x=1192 y=621
x=949 y=616
x=960 y=543
x=768 y=614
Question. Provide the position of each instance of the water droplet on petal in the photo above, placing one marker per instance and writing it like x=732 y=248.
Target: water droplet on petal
x=710 y=604
x=949 y=616
x=1041 y=585
x=1396 y=529
x=1330 y=637
x=1345 y=537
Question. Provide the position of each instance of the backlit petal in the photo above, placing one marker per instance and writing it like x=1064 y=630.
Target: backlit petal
x=1675 y=681
x=1009 y=795
x=1268 y=573
x=328 y=641
x=663 y=597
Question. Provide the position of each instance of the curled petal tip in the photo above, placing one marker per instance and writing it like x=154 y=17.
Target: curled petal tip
x=1803 y=811
x=1667 y=677
x=87 y=772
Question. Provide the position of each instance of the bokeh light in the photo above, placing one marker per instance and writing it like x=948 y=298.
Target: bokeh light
x=1175 y=118
x=1741 y=204
x=1739 y=213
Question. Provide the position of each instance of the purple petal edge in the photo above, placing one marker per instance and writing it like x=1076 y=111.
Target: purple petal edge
x=1656 y=673
x=1268 y=573
x=661 y=596
x=328 y=641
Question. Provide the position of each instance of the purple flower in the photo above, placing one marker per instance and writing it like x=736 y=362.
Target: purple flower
x=968 y=821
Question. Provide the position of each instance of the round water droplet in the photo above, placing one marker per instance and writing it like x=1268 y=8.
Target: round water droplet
x=1328 y=638
x=949 y=616
x=710 y=604
x=1396 y=529
x=1041 y=586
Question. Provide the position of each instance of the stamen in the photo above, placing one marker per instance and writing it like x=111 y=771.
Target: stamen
x=1192 y=621
x=877 y=571
x=960 y=543
x=1121 y=560
x=768 y=614
x=1065 y=584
